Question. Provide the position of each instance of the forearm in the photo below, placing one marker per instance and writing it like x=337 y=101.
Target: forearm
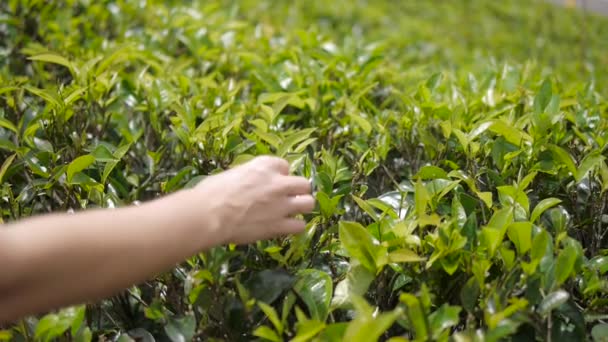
x=59 y=259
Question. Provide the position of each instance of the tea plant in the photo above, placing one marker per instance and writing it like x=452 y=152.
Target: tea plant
x=458 y=151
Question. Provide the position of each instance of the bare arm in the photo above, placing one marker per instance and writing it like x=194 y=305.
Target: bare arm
x=57 y=260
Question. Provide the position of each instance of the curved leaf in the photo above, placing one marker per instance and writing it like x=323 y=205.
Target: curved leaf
x=315 y=288
x=78 y=165
x=542 y=206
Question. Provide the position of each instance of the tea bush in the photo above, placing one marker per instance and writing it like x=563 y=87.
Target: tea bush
x=458 y=148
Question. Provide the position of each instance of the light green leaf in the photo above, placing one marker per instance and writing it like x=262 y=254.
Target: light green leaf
x=599 y=332
x=510 y=133
x=55 y=59
x=369 y=328
x=520 y=233
x=565 y=264
x=78 y=165
x=543 y=96
x=361 y=122
x=564 y=158
x=306 y=330
x=8 y=125
x=6 y=335
x=272 y=315
x=445 y=317
x=355 y=284
x=5 y=165
x=359 y=243
x=292 y=140
x=588 y=163
x=366 y=207
x=404 y=255
x=267 y=333
x=421 y=199
x=270 y=138
x=416 y=316
x=44 y=94
x=431 y=172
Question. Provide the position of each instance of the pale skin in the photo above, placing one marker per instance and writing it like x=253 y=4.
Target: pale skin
x=56 y=260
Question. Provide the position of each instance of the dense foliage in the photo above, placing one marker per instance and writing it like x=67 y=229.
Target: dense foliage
x=458 y=149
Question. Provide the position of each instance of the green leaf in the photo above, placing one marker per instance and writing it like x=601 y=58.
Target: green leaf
x=416 y=316
x=272 y=315
x=552 y=301
x=181 y=329
x=366 y=207
x=542 y=206
x=155 y=311
x=366 y=327
x=564 y=158
x=404 y=255
x=267 y=285
x=365 y=125
x=445 y=317
x=5 y=165
x=431 y=172
x=355 y=284
x=543 y=96
x=520 y=233
x=599 y=332
x=267 y=333
x=8 y=125
x=102 y=154
x=591 y=161
x=510 y=133
x=55 y=59
x=306 y=330
x=78 y=165
x=469 y=294
x=565 y=264
x=359 y=243
x=6 y=335
x=599 y=263
x=490 y=239
x=292 y=140
x=51 y=326
x=421 y=198
x=315 y=288
x=539 y=247
x=327 y=205
x=44 y=94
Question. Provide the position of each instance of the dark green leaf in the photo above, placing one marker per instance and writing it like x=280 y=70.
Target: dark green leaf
x=542 y=206
x=268 y=285
x=181 y=329
x=315 y=288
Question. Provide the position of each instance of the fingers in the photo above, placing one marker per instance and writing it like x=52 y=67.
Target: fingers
x=292 y=226
x=275 y=163
x=299 y=205
x=295 y=185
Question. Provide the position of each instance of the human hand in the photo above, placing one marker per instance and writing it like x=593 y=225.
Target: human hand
x=254 y=201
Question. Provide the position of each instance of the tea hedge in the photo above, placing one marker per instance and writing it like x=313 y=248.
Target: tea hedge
x=458 y=149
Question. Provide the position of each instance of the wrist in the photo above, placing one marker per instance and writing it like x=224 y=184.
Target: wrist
x=193 y=214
